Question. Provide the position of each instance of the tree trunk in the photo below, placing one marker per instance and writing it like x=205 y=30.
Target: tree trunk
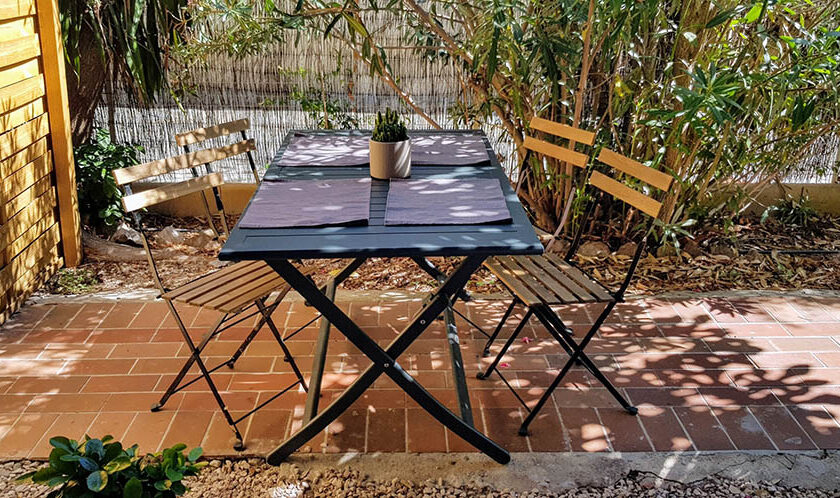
x=84 y=89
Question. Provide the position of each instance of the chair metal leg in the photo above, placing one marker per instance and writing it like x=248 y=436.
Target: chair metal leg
x=560 y=333
x=507 y=346
x=498 y=329
x=179 y=377
x=277 y=336
x=576 y=355
x=196 y=358
x=254 y=331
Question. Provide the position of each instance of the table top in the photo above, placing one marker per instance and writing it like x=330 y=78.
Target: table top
x=376 y=239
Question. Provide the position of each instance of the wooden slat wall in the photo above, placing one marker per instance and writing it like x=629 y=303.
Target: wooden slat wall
x=39 y=229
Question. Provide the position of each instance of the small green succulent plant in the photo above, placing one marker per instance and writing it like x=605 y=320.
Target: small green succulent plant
x=389 y=127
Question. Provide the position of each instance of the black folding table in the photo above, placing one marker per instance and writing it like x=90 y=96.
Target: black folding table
x=474 y=242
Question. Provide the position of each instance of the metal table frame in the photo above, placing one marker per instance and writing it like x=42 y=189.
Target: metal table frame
x=278 y=247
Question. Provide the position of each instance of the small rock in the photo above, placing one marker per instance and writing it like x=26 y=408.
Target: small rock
x=627 y=249
x=199 y=241
x=665 y=251
x=560 y=246
x=127 y=235
x=692 y=248
x=593 y=249
x=722 y=249
x=169 y=236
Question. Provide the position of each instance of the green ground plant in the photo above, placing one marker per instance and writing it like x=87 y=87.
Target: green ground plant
x=102 y=467
x=73 y=281
x=99 y=196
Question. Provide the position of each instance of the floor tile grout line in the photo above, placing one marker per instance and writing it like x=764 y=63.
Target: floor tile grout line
x=638 y=418
x=786 y=408
x=95 y=327
x=610 y=447
x=763 y=429
x=682 y=426
x=49 y=430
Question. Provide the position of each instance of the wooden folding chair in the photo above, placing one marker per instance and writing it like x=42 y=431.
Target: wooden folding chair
x=540 y=282
x=239 y=292
x=245 y=145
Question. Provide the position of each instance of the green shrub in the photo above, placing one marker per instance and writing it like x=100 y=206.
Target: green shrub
x=791 y=211
x=102 y=467
x=99 y=196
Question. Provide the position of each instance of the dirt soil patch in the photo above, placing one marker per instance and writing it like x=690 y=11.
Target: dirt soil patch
x=749 y=255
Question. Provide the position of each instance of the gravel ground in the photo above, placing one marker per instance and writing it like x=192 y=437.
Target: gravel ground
x=253 y=478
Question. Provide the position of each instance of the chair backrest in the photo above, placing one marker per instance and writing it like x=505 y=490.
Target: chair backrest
x=567 y=153
x=222 y=130
x=619 y=190
x=134 y=202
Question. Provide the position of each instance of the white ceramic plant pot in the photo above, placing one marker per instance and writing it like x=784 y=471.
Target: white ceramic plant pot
x=390 y=159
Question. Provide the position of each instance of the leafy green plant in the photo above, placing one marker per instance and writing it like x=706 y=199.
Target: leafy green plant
x=113 y=45
x=99 y=196
x=669 y=234
x=326 y=113
x=389 y=127
x=73 y=281
x=791 y=211
x=102 y=467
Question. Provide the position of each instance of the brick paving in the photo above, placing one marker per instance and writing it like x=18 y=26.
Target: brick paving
x=760 y=373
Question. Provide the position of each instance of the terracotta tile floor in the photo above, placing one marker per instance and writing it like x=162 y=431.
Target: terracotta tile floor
x=706 y=374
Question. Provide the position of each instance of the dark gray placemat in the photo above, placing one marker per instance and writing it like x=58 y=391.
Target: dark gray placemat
x=454 y=150
x=309 y=203
x=446 y=202
x=335 y=150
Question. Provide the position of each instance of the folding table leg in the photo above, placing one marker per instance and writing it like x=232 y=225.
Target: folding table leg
x=313 y=396
x=384 y=361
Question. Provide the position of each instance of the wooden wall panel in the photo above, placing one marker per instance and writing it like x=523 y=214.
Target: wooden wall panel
x=39 y=220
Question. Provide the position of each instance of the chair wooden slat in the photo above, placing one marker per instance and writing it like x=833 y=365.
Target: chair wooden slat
x=563 y=131
x=243 y=286
x=227 y=287
x=512 y=282
x=201 y=134
x=563 y=294
x=555 y=151
x=653 y=177
x=157 y=195
x=623 y=192
x=545 y=265
x=524 y=276
x=162 y=166
x=249 y=294
x=593 y=287
x=199 y=283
